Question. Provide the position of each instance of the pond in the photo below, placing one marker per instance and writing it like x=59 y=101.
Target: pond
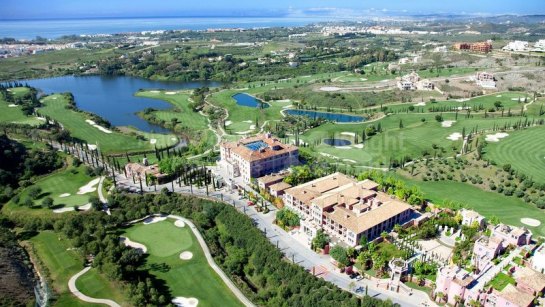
x=246 y=100
x=337 y=142
x=112 y=98
x=334 y=117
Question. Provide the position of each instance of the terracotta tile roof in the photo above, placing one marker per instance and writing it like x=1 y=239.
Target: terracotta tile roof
x=273 y=148
x=271 y=178
x=515 y=296
x=359 y=223
x=315 y=188
x=281 y=186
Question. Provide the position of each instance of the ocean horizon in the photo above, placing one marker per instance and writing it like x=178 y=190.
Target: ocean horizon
x=54 y=28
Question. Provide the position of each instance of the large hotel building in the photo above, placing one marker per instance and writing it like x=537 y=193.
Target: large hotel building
x=257 y=156
x=347 y=210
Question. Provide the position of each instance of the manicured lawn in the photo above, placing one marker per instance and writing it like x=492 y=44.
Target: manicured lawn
x=187 y=278
x=107 y=142
x=62 y=263
x=68 y=180
x=524 y=150
x=509 y=210
x=501 y=280
x=14 y=114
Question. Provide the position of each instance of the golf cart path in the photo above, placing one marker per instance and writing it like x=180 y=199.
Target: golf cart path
x=212 y=263
x=85 y=298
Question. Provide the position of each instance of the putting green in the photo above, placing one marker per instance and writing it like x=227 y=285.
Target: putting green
x=185 y=278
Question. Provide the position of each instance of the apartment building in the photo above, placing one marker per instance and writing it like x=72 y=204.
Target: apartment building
x=347 y=210
x=257 y=156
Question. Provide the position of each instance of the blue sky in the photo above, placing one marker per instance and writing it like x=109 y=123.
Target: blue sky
x=15 y=9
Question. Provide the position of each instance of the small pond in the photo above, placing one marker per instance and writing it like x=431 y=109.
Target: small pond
x=337 y=142
x=246 y=100
x=334 y=117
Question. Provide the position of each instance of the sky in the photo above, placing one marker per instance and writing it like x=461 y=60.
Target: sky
x=21 y=9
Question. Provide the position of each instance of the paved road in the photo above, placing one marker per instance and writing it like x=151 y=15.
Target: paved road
x=85 y=298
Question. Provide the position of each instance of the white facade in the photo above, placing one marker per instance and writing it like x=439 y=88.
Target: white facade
x=516 y=46
x=538 y=260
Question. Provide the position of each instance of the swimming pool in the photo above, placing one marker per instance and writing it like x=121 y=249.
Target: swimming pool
x=255 y=146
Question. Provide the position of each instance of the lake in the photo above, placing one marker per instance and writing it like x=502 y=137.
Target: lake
x=337 y=142
x=334 y=117
x=112 y=98
x=246 y=100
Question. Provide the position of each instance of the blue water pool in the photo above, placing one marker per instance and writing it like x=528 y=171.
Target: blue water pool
x=246 y=100
x=255 y=146
x=334 y=117
x=337 y=142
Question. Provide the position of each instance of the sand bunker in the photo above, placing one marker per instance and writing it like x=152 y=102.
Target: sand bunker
x=343 y=147
x=170 y=93
x=92 y=123
x=455 y=136
x=462 y=99
x=92 y=146
x=155 y=219
x=329 y=88
x=12 y=105
x=496 y=137
x=133 y=244
x=228 y=122
x=179 y=223
x=90 y=187
x=420 y=104
x=247 y=121
x=186 y=255
x=516 y=99
x=40 y=118
x=153 y=141
x=499 y=96
x=85 y=207
x=63 y=195
x=353 y=134
x=155 y=92
x=62 y=210
x=181 y=301
x=245 y=132
x=252 y=127
x=363 y=79
x=360 y=146
x=447 y=123
x=349 y=160
x=530 y=222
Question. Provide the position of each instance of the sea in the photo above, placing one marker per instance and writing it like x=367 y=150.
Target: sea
x=26 y=29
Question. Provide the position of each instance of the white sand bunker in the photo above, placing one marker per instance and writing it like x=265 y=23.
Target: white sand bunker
x=499 y=96
x=179 y=223
x=349 y=160
x=92 y=123
x=12 y=105
x=363 y=79
x=455 y=136
x=420 y=104
x=186 y=255
x=40 y=118
x=530 y=222
x=228 y=122
x=92 y=146
x=496 y=137
x=63 y=195
x=343 y=147
x=353 y=134
x=85 y=207
x=62 y=210
x=447 y=123
x=516 y=99
x=133 y=244
x=153 y=141
x=360 y=146
x=170 y=93
x=181 y=301
x=247 y=121
x=252 y=127
x=90 y=187
x=155 y=92
x=155 y=219
x=329 y=88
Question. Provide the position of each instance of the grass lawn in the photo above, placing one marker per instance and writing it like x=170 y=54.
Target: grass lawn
x=68 y=180
x=107 y=142
x=509 y=210
x=501 y=280
x=63 y=263
x=524 y=150
x=14 y=114
x=187 y=278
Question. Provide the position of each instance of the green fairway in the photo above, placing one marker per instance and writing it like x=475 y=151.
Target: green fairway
x=62 y=263
x=13 y=114
x=509 y=210
x=186 y=278
x=65 y=181
x=524 y=150
x=55 y=107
